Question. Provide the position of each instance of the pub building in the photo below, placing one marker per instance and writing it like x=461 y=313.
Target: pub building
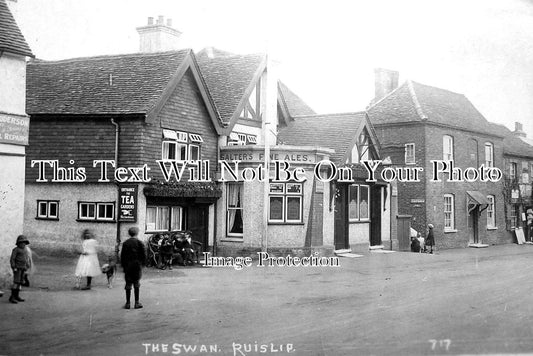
x=362 y=209
x=124 y=113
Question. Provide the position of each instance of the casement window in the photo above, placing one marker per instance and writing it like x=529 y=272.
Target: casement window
x=164 y=218
x=181 y=146
x=285 y=203
x=96 y=211
x=48 y=209
x=447 y=148
x=512 y=171
x=449 y=212
x=234 y=210
x=489 y=155
x=358 y=202
x=410 y=153
x=241 y=139
x=491 y=217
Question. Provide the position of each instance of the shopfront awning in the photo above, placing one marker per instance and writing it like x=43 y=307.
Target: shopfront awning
x=474 y=199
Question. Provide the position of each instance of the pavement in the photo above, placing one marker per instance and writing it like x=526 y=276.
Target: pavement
x=465 y=301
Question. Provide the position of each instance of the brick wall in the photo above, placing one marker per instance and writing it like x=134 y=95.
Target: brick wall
x=393 y=139
x=465 y=146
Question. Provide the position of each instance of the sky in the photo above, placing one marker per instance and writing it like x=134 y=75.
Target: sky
x=327 y=50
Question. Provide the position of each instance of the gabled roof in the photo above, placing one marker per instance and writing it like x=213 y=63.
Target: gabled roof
x=120 y=84
x=11 y=39
x=230 y=79
x=294 y=105
x=336 y=131
x=415 y=102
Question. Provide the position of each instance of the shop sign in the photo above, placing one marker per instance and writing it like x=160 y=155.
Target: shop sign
x=14 y=129
x=418 y=201
x=127 y=203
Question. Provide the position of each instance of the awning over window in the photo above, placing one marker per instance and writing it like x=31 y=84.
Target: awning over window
x=476 y=198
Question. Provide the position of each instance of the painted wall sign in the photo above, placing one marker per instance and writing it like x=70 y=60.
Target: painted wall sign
x=418 y=201
x=128 y=203
x=14 y=129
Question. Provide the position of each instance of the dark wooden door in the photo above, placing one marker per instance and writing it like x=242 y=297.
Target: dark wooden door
x=473 y=221
x=375 y=216
x=341 y=218
x=404 y=232
x=197 y=222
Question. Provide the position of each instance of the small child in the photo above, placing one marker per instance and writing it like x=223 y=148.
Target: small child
x=109 y=269
x=20 y=263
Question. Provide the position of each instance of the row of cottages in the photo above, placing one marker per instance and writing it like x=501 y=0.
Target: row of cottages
x=127 y=112
x=416 y=124
x=518 y=180
x=14 y=128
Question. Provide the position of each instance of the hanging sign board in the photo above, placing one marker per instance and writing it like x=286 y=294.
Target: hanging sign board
x=127 y=204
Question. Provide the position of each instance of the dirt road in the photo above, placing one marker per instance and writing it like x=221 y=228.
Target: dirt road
x=472 y=301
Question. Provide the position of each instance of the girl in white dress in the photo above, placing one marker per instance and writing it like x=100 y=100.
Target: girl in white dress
x=88 y=264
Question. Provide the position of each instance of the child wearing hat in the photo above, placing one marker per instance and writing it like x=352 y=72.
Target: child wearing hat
x=20 y=262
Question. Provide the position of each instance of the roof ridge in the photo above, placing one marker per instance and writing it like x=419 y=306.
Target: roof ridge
x=330 y=114
x=416 y=103
x=107 y=56
x=438 y=88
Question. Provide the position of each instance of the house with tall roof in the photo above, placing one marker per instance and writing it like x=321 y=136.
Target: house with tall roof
x=362 y=208
x=137 y=139
x=446 y=136
x=518 y=180
x=14 y=127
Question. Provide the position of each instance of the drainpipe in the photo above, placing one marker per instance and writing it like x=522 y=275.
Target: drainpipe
x=117 y=243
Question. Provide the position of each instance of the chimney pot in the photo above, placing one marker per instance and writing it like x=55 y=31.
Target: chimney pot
x=519 y=130
x=160 y=20
x=169 y=22
x=150 y=21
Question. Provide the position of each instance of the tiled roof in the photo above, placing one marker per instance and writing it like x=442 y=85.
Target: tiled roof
x=227 y=78
x=11 y=39
x=295 y=105
x=513 y=145
x=413 y=102
x=334 y=131
x=120 y=84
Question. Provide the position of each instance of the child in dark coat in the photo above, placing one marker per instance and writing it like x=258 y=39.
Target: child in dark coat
x=20 y=263
x=133 y=258
x=430 y=240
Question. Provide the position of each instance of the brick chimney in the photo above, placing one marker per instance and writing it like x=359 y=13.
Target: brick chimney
x=158 y=36
x=385 y=81
x=519 y=130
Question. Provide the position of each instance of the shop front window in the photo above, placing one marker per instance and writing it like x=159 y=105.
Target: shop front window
x=164 y=218
x=285 y=203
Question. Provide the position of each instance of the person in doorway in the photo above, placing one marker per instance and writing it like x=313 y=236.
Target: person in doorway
x=20 y=263
x=430 y=240
x=132 y=259
x=88 y=265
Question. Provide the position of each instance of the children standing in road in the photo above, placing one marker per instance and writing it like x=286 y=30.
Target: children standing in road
x=20 y=263
x=88 y=264
x=133 y=258
x=430 y=241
